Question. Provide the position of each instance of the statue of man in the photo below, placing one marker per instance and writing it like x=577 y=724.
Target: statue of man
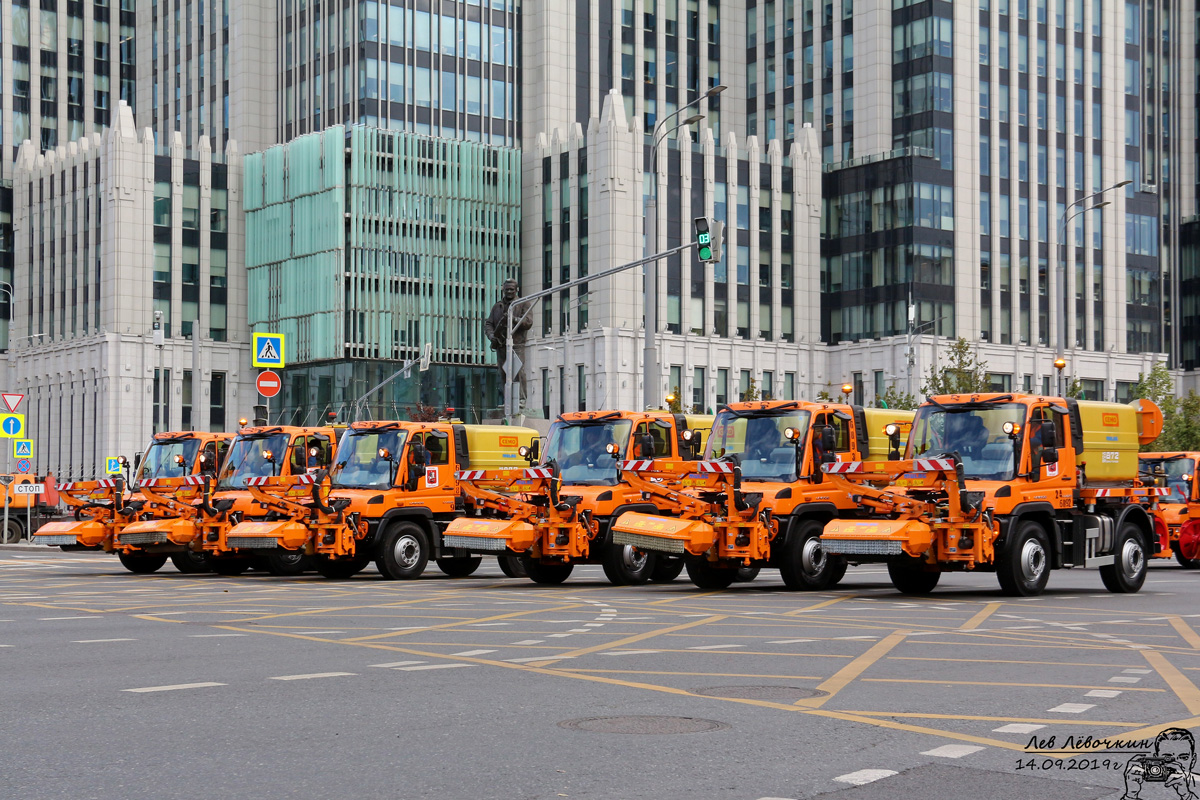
x=496 y=329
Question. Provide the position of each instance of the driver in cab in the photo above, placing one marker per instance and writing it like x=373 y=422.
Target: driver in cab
x=593 y=443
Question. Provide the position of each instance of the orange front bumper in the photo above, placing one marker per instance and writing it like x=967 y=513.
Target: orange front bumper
x=664 y=534
x=490 y=535
x=85 y=532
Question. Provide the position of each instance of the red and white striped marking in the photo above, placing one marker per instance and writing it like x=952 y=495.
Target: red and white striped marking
x=932 y=464
x=469 y=475
x=723 y=467
x=257 y=481
x=538 y=472
x=842 y=467
x=637 y=465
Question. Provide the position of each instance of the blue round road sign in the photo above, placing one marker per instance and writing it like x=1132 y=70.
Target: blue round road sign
x=23 y=465
x=12 y=426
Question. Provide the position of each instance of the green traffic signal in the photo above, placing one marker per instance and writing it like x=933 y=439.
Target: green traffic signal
x=703 y=239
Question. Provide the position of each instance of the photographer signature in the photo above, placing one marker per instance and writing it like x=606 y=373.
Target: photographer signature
x=1171 y=765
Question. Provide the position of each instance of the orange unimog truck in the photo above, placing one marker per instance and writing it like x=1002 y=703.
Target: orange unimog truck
x=198 y=517
x=388 y=498
x=558 y=514
x=1180 y=507
x=103 y=508
x=1018 y=484
x=759 y=498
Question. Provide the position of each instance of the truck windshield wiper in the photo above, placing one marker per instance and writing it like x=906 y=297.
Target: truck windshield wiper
x=777 y=411
x=266 y=434
x=970 y=405
x=593 y=421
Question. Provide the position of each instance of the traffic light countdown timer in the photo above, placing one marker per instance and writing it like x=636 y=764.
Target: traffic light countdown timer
x=709 y=239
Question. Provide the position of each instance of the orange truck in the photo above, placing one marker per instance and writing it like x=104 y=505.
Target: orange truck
x=25 y=509
x=388 y=497
x=104 y=508
x=558 y=514
x=1177 y=472
x=1016 y=484
x=759 y=498
x=197 y=514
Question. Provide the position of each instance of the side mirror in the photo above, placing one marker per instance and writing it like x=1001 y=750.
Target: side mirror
x=1049 y=434
x=645 y=446
x=828 y=445
x=1049 y=455
x=418 y=454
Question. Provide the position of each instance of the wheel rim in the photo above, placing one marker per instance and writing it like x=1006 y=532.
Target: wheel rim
x=632 y=559
x=812 y=557
x=1133 y=559
x=407 y=550
x=1033 y=561
x=290 y=559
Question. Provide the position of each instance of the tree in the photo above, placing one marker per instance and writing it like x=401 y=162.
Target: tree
x=423 y=413
x=751 y=392
x=1075 y=388
x=964 y=373
x=1158 y=386
x=894 y=398
x=674 y=404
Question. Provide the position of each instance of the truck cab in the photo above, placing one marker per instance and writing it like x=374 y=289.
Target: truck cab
x=1177 y=473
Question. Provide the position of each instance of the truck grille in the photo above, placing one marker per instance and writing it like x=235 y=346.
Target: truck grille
x=475 y=543
x=861 y=547
x=54 y=540
x=252 y=542
x=142 y=538
x=643 y=542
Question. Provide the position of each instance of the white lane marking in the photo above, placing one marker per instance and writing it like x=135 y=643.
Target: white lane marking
x=530 y=641
x=716 y=646
x=557 y=635
x=535 y=658
x=473 y=653
x=1109 y=693
x=856 y=637
x=1137 y=671
x=417 y=627
x=313 y=633
x=474 y=625
x=98 y=641
x=865 y=776
x=608 y=611
x=309 y=676
x=628 y=652
x=601 y=624
x=7 y=645
x=433 y=666
x=1018 y=727
x=51 y=619
x=392 y=664
x=1124 y=679
x=1072 y=708
x=213 y=635
x=578 y=630
x=952 y=751
x=174 y=687
x=789 y=641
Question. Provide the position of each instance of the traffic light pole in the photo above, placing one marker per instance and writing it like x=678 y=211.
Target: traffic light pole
x=510 y=406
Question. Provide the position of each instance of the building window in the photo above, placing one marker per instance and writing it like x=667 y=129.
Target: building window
x=162 y=400
x=216 y=399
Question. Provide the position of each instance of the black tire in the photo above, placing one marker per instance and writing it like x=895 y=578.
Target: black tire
x=340 y=569
x=707 y=575
x=1185 y=562
x=625 y=565
x=14 y=532
x=288 y=562
x=229 y=566
x=512 y=566
x=747 y=574
x=459 y=567
x=805 y=565
x=1128 y=574
x=142 y=563
x=546 y=574
x=1023 y=565
x=190 y=562
x=403 y=553
x=910 y=578
x=666 y=569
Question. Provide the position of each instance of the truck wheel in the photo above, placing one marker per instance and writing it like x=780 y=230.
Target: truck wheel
x=1023 y=567
x=403 y=553
x=625 y=565
x=340 y=569
x=747 y=574
x=805 y=565
x=666 y=569
x=190 y=562
x=142 y=563
x=14 y=532
x=511 y=566
x=1185 y=562
x=229 y=565
x=909 y=578
x=707 y=575
x=459 y=567
x=547 y=574
x=1129 y=572
x=287 y=562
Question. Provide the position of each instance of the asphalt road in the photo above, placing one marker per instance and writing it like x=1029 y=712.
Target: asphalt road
x=169 y=686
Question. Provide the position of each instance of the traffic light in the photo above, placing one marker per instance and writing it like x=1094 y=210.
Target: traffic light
x=708 y=239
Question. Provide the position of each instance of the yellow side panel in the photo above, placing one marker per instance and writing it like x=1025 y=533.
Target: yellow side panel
x=878 y=446
x=495 y=446
x=1110 y=441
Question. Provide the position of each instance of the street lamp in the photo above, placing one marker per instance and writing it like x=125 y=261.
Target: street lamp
x=1060 y=267
x=650 y=273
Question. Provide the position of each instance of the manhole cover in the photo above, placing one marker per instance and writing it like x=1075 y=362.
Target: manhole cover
x=782 y=694
x=643 y=724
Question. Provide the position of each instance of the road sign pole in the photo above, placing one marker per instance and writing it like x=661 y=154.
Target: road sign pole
x=28 y=515
x=5 y=537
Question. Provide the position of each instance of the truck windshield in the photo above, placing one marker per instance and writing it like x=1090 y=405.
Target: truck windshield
x=764 y=453
x=579 y=450
x=248 y=459
x=973 y=431
x=160 y=459
x=358 y=465
x=1179 y=472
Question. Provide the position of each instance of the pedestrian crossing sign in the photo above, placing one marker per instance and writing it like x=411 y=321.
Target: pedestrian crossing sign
x=268 y=350
x=22 y=448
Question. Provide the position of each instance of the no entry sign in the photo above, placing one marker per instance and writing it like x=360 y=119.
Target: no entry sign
x=269 y=383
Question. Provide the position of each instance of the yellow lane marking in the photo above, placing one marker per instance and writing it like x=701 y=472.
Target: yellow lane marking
x=969 y=718
x=469 y=621
x=347 y=608
x=1150 y=731
x=1002 y=661
x=688 y=596
x=1185 y=631
x=56 y=607
x=637 y=637
x=693 y=674
x=977 y=620
x=1006 y=683
x=848 y=673
x=849 y=716
x=823 y=604
x=152 y=618
x=1184 y=689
